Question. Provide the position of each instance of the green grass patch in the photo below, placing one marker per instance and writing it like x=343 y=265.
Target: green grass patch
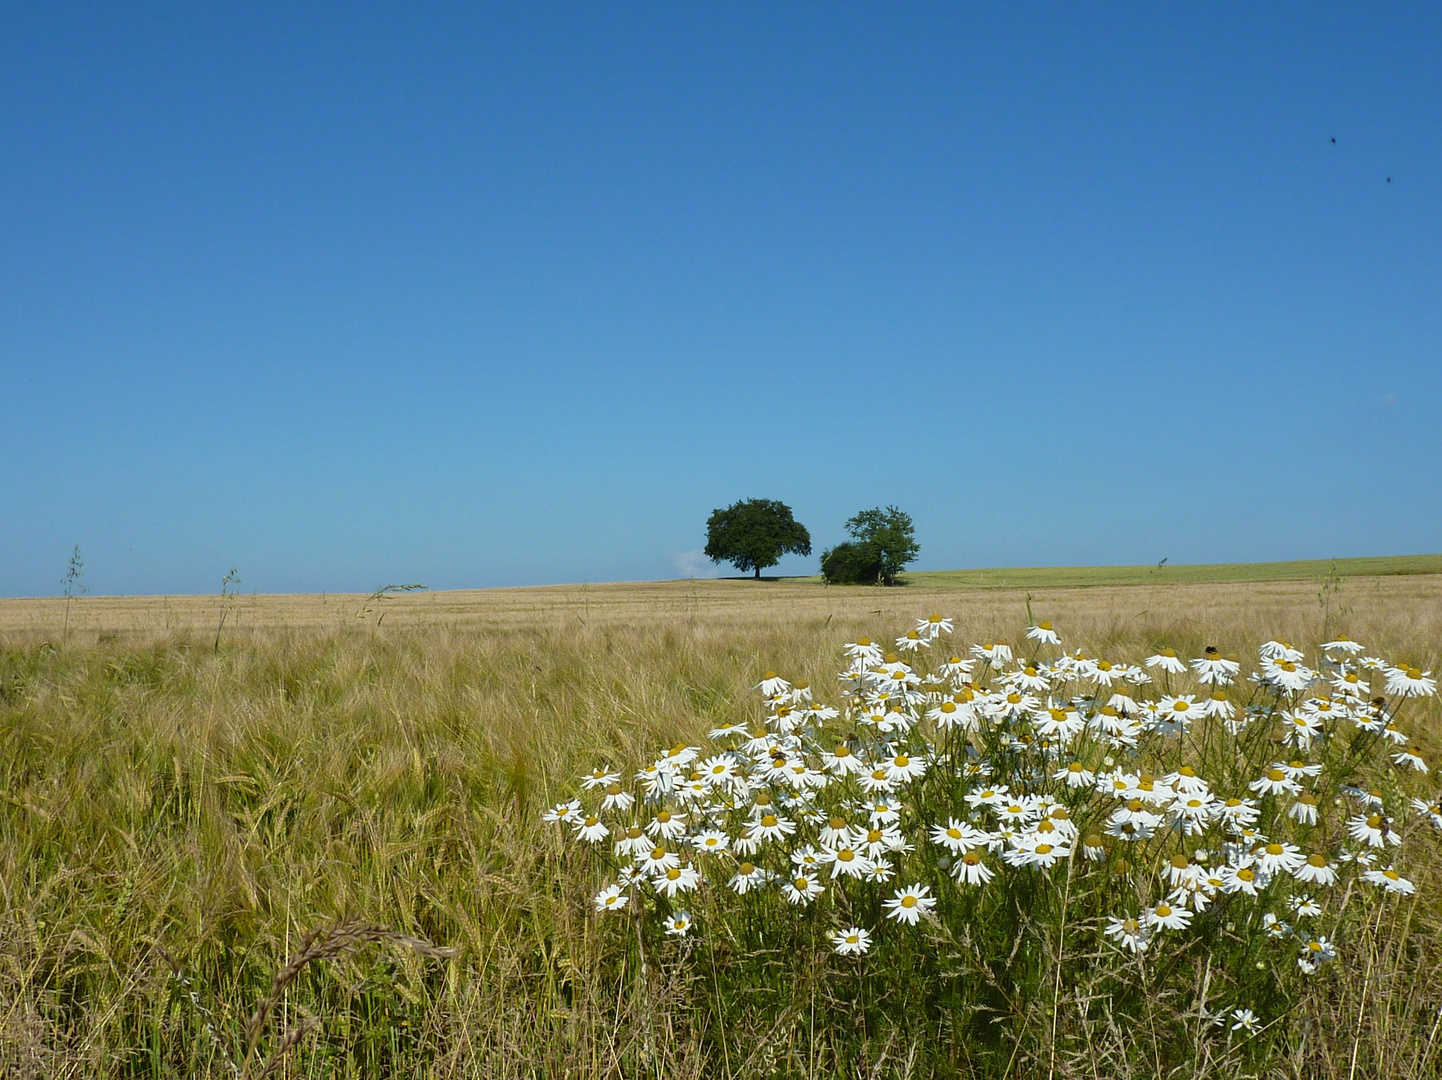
x=1056 y=577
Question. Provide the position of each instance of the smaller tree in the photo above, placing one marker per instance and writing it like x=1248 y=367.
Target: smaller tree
x=753 y=534
x=882 y=543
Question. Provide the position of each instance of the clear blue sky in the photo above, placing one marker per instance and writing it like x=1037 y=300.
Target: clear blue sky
x=344 y=295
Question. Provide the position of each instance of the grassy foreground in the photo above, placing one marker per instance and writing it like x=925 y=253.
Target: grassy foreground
x=163 y=798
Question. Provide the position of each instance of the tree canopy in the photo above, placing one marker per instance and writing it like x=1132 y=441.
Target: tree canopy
x=754 y=533
x=882 y=543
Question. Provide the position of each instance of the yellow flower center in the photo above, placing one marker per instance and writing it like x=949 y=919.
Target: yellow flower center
x=590 y=821
x=664 y=816
x=845 y=855
x=1375 y=821
x=863 y=642
x=1414 y=673
x=673 y=874
x=768 y=676
x=901 y=761
x=769 y=821
x=874 y=836
x=633 y=833
x=971 y=858
x=1391 y=875
x=1013 y=698
x=747 y=869
x=1180 y=862
x=1276 y=774
x=657 y=854
x=908 y=901
x=948 y=706
x=1274 y=849
x=954 y=833
x=614 y=789
x=1043 y=849
x=1245 y=875
x=1163 y=911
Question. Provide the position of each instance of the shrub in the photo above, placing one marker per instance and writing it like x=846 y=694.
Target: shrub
x=851 y=563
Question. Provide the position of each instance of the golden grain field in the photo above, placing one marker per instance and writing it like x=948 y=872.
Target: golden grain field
x=177 y=814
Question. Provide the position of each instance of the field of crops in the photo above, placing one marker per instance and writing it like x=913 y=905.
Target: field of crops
x=306 y=835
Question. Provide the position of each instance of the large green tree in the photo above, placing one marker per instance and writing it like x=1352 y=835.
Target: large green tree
x=882 y=543
x=754 y=533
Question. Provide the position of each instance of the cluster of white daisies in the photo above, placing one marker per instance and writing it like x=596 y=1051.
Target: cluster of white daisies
x=967 y=764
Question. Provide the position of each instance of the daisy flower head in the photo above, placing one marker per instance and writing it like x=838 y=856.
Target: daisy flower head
x=611 y=898
x=934 y=625
x=657 y=861
x=563 y=812
x=1075 y=775
x=993 y=652
x=772 y=684
x=1343 y=644
x=590 y=829
x=864 y=649
x=1409 y=681
x=599 y=778
x=1043 y=633
x=1165 y=917
x=1316 y=869
x=1304 y=810
x=1129 y=933
x=1275 y=857
x=1279 y=650
x=1244 y=1020
x=970 y=869
x=676 y=879
x=1288 y=674
x=617 y=798
x=802 y=889
x=957 y=836
x=1241 y=879
x=1316 y=952
x=770 y=827
x=1410 y=759
x=1215 y=668
x=711 y=842
x=1374 y=830
x=1390 y=881
x=748 y=876
x=853 y=941
x=1167 y=660
x=902 y=768
x=679 y=924
x=847 y=861
x=957 y=667
x=912 y=641
x=910 y=903
x=1305 y=907
x=1275 y=781
x=1431 y=810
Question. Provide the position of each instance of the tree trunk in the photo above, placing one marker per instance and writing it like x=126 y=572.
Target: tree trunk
x=758 y=573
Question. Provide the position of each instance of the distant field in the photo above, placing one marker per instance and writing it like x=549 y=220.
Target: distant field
x=1042 y=577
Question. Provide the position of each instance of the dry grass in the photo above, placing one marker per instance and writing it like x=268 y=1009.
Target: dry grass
x=158 y=794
